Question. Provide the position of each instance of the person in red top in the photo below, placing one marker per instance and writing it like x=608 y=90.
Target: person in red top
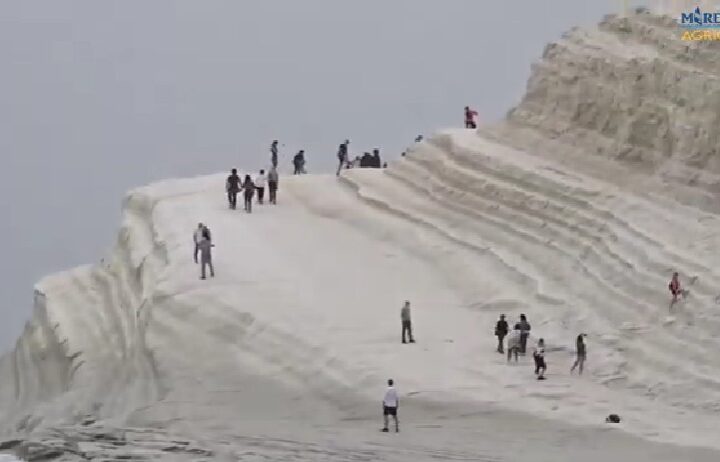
x=470 y=117
x=675 y=288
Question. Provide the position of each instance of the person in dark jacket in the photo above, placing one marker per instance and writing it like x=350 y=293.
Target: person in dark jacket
x=366 y=160
x=249 y=191
x=581 y=354
x=470 y=118
x=342 y=156
x=524 y=333
x=406 y=322
x=299 y=163
x=501 y=330
x=232 y=186
x=377 y=163
x=274 y=153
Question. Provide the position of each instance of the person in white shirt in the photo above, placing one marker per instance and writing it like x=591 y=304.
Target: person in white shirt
x=197 y=237
x=390 y=406
x=513 y=342
x=260 y=182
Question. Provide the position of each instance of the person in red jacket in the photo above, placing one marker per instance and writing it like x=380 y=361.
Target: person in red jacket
x=676 y=289
x=470 y=117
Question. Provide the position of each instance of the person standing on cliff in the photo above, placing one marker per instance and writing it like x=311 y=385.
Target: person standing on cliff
x=197 y=237
x=260 y=182
x=249 y=191
x=524 y=333
x=513 y=343
x=232 y=186
x=390 y=407
x=273 y=180
x=274 y=153
x=501 y=330
x=342 y=156
x=299 y=163
x=539 y=357
x=470 y=117
x=406 y=323
x=581 y=354
x=205 y=247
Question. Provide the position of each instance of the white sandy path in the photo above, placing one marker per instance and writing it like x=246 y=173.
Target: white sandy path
x=328 y=274
x=307 y=299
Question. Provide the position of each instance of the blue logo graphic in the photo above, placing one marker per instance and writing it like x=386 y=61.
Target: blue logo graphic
x=699 y=20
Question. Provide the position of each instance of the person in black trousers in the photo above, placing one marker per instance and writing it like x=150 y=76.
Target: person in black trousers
x=501 y=330
x=232 y=186
x=406 y=323
x=249 y=191
x=524 y=333
x=273 y=179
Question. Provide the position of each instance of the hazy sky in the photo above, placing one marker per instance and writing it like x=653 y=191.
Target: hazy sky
x=98 y=97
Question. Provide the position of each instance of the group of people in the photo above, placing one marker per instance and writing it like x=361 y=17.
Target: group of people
x=517 y=345
x=391 y=400
x=298 y=159
x=366 y=161
x=249 y=187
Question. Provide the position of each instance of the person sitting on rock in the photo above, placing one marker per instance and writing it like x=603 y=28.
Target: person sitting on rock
x=376 y=162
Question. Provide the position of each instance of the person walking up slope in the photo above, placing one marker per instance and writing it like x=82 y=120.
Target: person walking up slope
x=232 y=186
x=206 y=258
x=581 y=352
x=249 y=190
x=539 y=357
x=501 y=330
x=390 y=406
x=260 y=182
x=406 y=322
x=273 y=180
x=513 y=343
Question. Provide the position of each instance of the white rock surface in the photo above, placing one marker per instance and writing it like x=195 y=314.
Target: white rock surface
x=575 y=211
